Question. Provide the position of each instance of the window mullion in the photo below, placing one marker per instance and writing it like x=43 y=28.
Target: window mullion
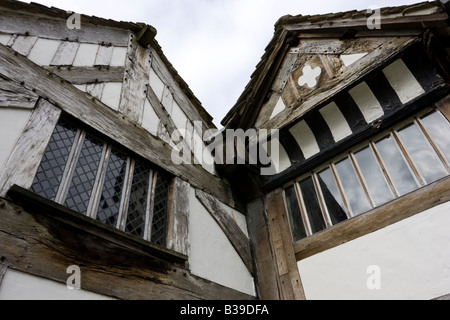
x=384 y=170
x=150 y=205
x=303 y=210
x=70 y=167
x=408 y=158
x=361 y=179
x=341 y=190
x=320 y=197
x=99 y=180
x=121 y=221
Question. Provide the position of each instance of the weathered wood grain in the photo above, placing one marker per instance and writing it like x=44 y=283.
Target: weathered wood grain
x=83 y=75
x=109 y=122
x=265 y=269
x=178 y=225
x=231 y=229
x=29 y=150
x=290 y=282
x=13 y=95
x=42 y=243
x=393 y=212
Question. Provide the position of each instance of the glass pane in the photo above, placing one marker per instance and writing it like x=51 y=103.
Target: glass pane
x=137 y=207
x=312 y=205
x=439 y=129
x=374 y=178
x=295 y=216
x=396 y=166
x=422 y=154
x=108 y=208
x=84 y=175
x=352 y=188
x=161 y=198
x=51 y=169
x=332 y=196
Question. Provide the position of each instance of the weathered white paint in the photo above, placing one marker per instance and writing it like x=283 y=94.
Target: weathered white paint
x=336 y=121
x=212 y=256
x=157 y=84
x=178 y=116
x=167 y=99
x=95 y=89
x=43 y=51
x=65 y=54
x=367 y=102
x=81 y=87
x=22 y=286
x=349 y=59
x=282 y=161
x=279 y=107
x=305 y=139
x=150 y=120
x=24 y=44
x=104 y=56
x=413 y=256
x=118 y=57
x=86 y=55
x=12 y=124
x=403 y=81
x=4 y=39
x=111 y=94
x=238 y=217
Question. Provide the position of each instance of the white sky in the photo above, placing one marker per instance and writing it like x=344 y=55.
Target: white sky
x=213 y=44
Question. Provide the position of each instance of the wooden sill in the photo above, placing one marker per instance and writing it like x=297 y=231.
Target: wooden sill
x=402 y=208
x=39 y=205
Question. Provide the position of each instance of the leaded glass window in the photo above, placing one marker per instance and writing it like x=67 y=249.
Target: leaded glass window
x=98 y=179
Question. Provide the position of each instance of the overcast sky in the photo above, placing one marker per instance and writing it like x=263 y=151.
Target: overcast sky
x=213 y=44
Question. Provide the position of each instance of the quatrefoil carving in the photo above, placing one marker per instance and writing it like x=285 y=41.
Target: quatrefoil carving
x=310 y=76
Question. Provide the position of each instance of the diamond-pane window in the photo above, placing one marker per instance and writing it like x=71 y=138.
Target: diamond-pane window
x=159 y=223
x=53 y=163
x=94 y=178
x=109 y=206
x=137 y=207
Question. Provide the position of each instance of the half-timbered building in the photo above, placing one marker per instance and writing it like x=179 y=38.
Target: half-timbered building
x=93 y=204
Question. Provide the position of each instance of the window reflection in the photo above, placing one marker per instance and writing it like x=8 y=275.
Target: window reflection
x=439 y=128
x=332 y=197
x=373 y=176
x=422 y=154
x=312 y=205
x=295 y=216
x=352 y=188
x=396 y=166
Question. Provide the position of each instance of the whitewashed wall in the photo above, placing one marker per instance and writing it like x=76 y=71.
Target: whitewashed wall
x=212 y=256
x=413 y=257
x=22 y=286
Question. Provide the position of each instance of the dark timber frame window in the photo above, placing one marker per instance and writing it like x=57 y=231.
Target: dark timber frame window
x=86 y=174
x=412 y=155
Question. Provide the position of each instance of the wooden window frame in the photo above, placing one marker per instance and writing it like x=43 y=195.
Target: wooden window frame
x=21 y=170
x=380 y=216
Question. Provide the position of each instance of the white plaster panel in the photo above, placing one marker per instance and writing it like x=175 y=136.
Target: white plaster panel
x=12 y=124
x=150 y=120
x=403 y=81
x=24 y=44
x=4 y=39
x=349 y=59
x=282 y=162
x=156 y=84
x=178 y=116
x=279 y=107
x=305 y=139
x=118 y=57
x=212 y=256
x=43 y=51
x=86 y=55
x=104 y=55
x=111 y=94
x=367 y=102
x=413 y=257
x=22 y=286
x=336 y=121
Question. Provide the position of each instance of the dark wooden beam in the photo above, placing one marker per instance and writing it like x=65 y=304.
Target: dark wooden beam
x=105 y=120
